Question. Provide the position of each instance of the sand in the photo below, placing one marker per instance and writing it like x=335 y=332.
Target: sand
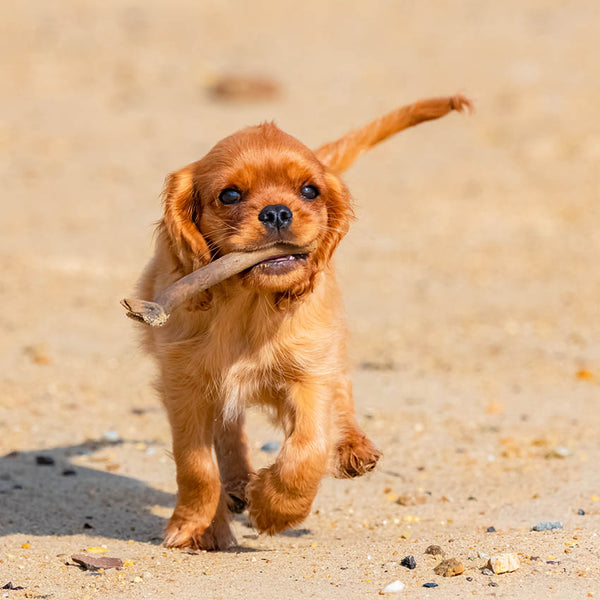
x=470 y=279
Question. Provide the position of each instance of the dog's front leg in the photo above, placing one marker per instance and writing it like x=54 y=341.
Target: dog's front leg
x=281 y=495
x=355 y=452
x=200 y=519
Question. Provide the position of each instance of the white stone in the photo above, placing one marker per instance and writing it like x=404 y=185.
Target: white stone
x=504 y=563
x=395 y=586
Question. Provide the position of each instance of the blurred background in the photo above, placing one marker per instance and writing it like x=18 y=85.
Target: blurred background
x=470 y=277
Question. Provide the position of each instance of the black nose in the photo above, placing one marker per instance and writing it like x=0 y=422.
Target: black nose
x=276 y=216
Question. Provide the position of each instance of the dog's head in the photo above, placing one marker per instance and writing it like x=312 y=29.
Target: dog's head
x=254 y=189
x=261 y=187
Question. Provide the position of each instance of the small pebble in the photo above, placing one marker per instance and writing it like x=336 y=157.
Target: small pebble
x=547 y=526
x=434 y=550
x=493 y=584
x=270 y=447
x=38 y=354
x=559 y=452
x=412 y=499
x=469 y=578
x=504 y=563
x=449 y=568
x=395 y=586
x=430 y=585
x=581 y=512
x=491 y=530
x=487 y=571
x=95 y=563
x=44 y=460
x=69 y=473
x=111 y=436
x=409 y=562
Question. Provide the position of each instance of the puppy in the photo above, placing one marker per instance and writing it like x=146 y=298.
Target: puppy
x=274 y=336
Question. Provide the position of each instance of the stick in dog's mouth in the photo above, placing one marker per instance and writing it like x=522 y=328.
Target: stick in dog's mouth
x=157 y=313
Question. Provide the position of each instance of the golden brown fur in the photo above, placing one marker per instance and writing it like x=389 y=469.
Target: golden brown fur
x=273 y=336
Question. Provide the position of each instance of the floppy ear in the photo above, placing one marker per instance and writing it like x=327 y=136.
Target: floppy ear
x=340 y=155
x=181 y=219
x=339 y=217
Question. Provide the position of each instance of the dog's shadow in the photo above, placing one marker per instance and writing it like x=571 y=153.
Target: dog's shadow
x=63 y=499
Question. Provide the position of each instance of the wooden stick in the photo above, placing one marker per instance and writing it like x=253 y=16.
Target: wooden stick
x=157 y=313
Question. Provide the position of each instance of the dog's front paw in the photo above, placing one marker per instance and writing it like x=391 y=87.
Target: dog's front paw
x=182 y=532
x=356 y=456
x=273 y=507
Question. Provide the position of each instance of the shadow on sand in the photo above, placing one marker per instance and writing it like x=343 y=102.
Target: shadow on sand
x=60 y=498
x=64 y=499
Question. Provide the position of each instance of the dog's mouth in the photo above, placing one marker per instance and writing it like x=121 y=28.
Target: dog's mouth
x=279 y=265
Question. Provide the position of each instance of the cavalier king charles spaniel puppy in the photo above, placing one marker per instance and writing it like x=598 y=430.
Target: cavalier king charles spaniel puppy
x=275 y=335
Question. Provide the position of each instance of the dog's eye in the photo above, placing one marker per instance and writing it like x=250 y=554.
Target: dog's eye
x=309 y=192
x=230 y=196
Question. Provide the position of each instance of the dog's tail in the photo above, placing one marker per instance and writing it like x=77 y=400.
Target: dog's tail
x=340 y=155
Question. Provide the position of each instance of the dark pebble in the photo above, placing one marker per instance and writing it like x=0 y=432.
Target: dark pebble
x=581 y=512
x=409 y=562
x=490 y=530
x=430 y=584
x=469 y=578
x=88 y=526
x=434 y=550
x=17 y=486
x=493 y=584
x=69 y=472
x=270 y=447
x=10 y=586
x=44 y=460
x=487 y=571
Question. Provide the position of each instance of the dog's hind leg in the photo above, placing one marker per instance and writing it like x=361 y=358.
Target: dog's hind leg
x=233 y=455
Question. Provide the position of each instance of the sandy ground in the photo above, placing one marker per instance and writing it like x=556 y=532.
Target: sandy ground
x=471 y=283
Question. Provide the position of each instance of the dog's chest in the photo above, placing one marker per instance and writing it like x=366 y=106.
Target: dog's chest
x=245 y=362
